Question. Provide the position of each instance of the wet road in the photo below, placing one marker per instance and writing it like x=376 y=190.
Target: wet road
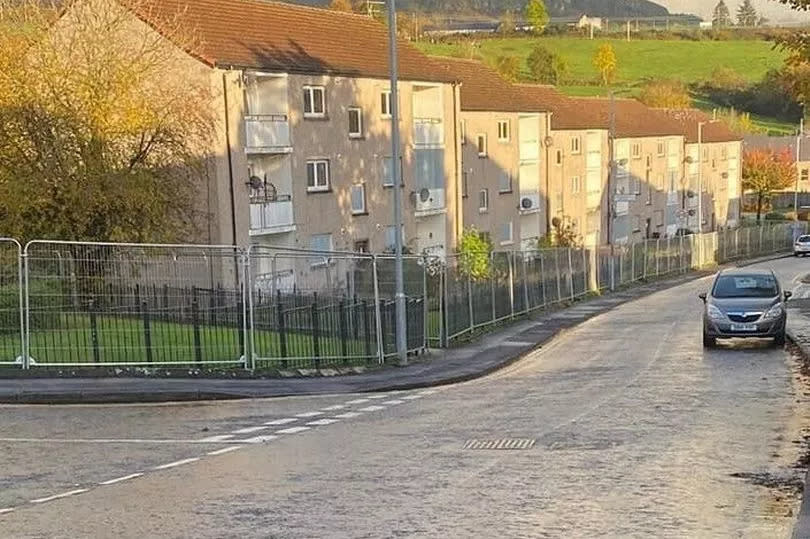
x=623 y=427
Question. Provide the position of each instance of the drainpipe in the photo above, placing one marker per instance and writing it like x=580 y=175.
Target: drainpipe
x=548 y=172
x=459 y=219
x=230 y=157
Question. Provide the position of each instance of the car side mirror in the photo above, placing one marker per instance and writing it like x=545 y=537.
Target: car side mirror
x=788 y=295
x=702 y=296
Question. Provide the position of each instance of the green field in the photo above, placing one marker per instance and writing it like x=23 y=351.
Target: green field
x=639 y=61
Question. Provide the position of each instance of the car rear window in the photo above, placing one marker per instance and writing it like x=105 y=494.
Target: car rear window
x=804 y=239
x=745 y=286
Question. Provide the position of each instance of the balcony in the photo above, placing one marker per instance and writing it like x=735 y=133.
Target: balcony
x=529 y=150
x=271 y=216
x=267 y=133
x=428 y=131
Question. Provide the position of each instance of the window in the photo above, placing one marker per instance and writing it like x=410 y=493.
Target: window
x=559 y=157
x=388 y=172
x=505 y=182
x=636 y=150
x=482 y=145
x=503 y=131
x=358 y=196
x=506 y=233
x=805 y=174
x=320 y=242
x=575 y=185
x=649 y=161
x=483 y=200
x=659 y=217
x=661 y=148
x=318 y=175
x=636 y=185
x=361 y=246
x=465 y=184
x=649 y=189
x=385 y=104
x=705 y=155
x=462 y=128
x=660 y=182
x=576 y=145
x=673 y=181
x=355 y=122
x=636 y=224
x=314 y=102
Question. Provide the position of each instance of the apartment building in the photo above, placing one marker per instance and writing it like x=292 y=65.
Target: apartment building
x=501 y=133
x=303 y=151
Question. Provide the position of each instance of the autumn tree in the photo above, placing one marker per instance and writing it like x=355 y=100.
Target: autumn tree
x=537 y=15
x=766 y=171
x=545 y=66
x=508 y=67
x=666 y=94
x=341 y=5
x=508 y=23
x=103 y=133
x=747 y=14
x=722 y=16
x=606 y=63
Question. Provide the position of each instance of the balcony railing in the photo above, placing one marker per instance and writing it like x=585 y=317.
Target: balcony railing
x=529 y=150
x=428 y=131
x=267 y=133
x=271 y=216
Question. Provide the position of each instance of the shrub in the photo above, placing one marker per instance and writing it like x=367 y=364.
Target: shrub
x=667 y=94
x=508 y=67
x=545 y=66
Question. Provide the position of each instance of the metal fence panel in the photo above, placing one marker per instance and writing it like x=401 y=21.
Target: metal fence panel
x=11 y=303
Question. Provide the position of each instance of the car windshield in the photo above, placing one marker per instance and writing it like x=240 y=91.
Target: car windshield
x=745 y=286
x=803 y=239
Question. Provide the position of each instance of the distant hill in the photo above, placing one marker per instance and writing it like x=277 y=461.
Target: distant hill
x=557 y=8
x=775 y=12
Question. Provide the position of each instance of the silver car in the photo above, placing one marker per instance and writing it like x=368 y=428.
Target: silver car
x=747 y=303
x=801 y=246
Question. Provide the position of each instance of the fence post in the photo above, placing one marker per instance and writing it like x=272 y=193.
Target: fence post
x=147 y=331
x=248 y=316
x=492 y=283
x=612 y=259
x=366 y=330
x=557 y=269
x=377 y=312
x=316 y=328
x=470 y=302
x=543 y=279
x=444 y=328
x=344 y=336
x=94 y=330
x=621 y=267
x=195 y=322
x=26 y=357
x=571 y=274
x=282 y=329
x=511 y=285
x=526 y=304
x=425 y=312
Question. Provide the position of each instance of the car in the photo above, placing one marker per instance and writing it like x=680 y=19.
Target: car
x=683 y=232
x=744 y=303
x=801 y=246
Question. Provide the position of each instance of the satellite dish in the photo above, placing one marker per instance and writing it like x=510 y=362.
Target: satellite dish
x=549 y=141
x=526 y=203
x=255 y=182
x=424 y=194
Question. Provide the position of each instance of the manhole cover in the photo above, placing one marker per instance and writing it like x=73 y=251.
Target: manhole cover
x=503 y=443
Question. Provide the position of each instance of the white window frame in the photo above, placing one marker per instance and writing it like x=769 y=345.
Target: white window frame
x=635 y=150
x=317 y=187
x=576 y=185
x=662 y=148
x=316 y=261
x=479 y=138
x=511 y=238
x=576 y=145
x=364 y=209
x=485 y=194
x=504 y=131
x=385 y=104
x=311 y=91
x=359 y=111
x=508 y=176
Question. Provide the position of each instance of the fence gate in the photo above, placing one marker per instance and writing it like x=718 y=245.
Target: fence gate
x=11 y=303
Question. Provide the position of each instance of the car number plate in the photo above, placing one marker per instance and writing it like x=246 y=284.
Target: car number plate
x=743 y=327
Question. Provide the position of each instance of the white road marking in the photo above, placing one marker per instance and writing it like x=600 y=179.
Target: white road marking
x=333 y=408
x=310 y=414
x=292 y=430
x=220 y=438
x=432 y=391
x=6 y=510
x=58 y=496
x=375 y=397
x=411 y=397
x=224 y=450
x=348 y=415
x=357 y=401
x=322 y=422
x=259 y=439
x=285 y=421
x=393 y=402
x=372 y=408
x=121 y=479
x=176 y=463
x=250 y=430
x=100 y=441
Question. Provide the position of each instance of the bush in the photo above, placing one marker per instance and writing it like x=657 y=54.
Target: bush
x=775 y=216
x=725 y=78
x=545 y=66
x=666 y=94
x=508 y=67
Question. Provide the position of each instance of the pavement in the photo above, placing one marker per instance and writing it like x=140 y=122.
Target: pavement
x=466 y=362
x=621 y=426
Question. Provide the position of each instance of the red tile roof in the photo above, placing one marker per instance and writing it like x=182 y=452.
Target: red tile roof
x=483 y=89
x=712 y=131
x=276 y=36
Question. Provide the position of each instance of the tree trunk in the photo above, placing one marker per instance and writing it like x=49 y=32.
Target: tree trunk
x=759 y=206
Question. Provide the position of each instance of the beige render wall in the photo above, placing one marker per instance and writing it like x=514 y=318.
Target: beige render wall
x=719 y=191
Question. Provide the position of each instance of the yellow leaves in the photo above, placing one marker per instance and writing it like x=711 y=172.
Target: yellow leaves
x=606 y=63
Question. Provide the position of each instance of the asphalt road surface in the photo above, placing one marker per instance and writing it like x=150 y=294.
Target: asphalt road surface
x=623 y=427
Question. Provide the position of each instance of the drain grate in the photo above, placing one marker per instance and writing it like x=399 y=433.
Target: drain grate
x=503 y=444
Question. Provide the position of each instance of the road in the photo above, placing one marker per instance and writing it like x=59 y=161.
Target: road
x=622 y=427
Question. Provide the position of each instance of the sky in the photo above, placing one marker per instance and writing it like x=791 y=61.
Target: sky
x=772 y=10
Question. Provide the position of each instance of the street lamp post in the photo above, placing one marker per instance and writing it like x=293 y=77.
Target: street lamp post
x=700 y=177
x=399 y=293
x=798 y=170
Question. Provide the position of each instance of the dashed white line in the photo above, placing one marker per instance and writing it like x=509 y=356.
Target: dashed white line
x=121 y=479
x=357 y=401
x=285 y=421
x=393 y=402
x=259 y=439
x=310 y=414
x=58 y=496
x=348 y=415
x=220 y=438
x=249 y=430
x=375 y=397
x=6 y=510
x=429 y=391
x=176 y=463
x=322 y=422
x=292 y=430
x=224 y=450
x=412 y=397
x=372 y=408
x=333 y=408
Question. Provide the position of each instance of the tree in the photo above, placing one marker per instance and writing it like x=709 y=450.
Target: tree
x=666 y=94
x=606 y=63
x=474 y=251
x=563 y=234
x=747 y=14
x=508 y=23
x=537 y=15
x=722 y=16
x=508 y=67
x=104 y=125
x=766 y=171
x=341 y=5
x=739 y=122
x=545 y=66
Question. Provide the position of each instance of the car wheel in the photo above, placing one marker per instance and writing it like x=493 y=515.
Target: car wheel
x=709 y=342
x=779 y=340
